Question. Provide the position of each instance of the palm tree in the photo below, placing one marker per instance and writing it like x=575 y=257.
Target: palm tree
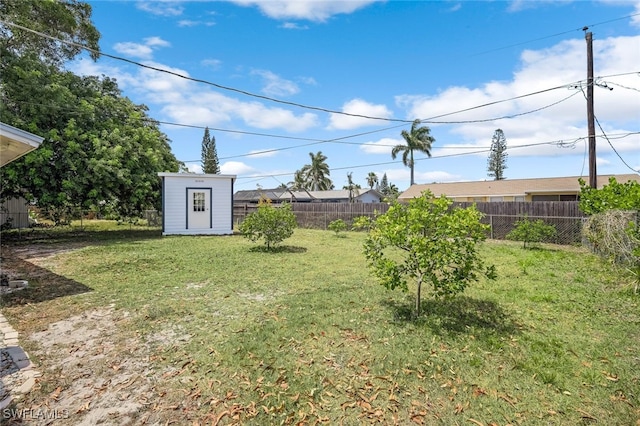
x=419 y=140
x=317 y=173
x=299 y=181
x=352 y=188
x=372 y=179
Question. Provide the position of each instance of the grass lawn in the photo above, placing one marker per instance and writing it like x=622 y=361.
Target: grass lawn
x=232 y=334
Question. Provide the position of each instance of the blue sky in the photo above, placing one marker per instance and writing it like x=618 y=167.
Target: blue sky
x=264 y=63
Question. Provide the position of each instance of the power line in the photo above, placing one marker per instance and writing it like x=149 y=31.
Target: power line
x=198 y=80
x=613 y=148
x=503 y=117
x=246 y=93
x=554 y=35
x=341 y=139
x=299 y=105
x=483 y=150
x=624 y=87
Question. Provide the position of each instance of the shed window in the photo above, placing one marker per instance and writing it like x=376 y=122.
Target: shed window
x=198 y=201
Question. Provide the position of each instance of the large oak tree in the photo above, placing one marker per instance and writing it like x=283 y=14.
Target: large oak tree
x=101 y=151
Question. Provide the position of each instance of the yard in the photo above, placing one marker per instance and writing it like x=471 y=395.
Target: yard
x=128 y=327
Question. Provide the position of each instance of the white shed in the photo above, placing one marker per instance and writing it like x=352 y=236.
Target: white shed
x=197 y=204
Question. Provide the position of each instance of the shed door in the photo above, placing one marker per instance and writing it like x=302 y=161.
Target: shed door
x=199 y=208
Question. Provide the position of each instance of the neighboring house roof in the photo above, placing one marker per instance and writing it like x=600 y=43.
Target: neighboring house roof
x=14 y=143
x=277 y=194
x=282 y=194
x=510 y=187
x=342 y=194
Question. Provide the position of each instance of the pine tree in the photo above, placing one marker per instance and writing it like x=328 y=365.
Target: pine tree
x=209 y=154
x=384 y=185
x=497 y=161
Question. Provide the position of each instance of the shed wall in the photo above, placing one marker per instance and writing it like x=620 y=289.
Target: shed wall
x=174 y=200
x=16 y=211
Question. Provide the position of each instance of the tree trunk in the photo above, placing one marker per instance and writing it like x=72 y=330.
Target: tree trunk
x=418 y=296
x=412 y=166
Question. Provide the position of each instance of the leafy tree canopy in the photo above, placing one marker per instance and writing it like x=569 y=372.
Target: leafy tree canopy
x=428 y=242
x=65 y=20
x=100 y=151
x=614 y=196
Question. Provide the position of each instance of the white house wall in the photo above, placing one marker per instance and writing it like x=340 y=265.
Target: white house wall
x=368 y=197
x=174 y=203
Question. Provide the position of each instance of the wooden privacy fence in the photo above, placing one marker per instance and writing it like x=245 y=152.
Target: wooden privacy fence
x=565 y=216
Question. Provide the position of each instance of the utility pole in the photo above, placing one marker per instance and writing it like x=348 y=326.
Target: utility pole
x=593 y=176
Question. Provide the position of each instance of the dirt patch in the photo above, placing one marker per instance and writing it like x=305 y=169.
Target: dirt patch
x=90 y=374
x=94 y=367
x=37 y=253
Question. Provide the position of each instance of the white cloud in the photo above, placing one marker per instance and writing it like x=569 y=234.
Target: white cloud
x=156 y=41
x=235 y=168
x=635 y=20
x=308 y=80
x=359 y=107
x=293 y=26
x=136 y=50
x=382 y=146
x=312 y=10
x=142 y=51
x=396 y=176
x=189 y=23
x=274 y=85
x=209 y=108
x=257 y=115
x=547 y=116
x=195 y=168
x=186 y=102
x=161 y=7
x=212 y=63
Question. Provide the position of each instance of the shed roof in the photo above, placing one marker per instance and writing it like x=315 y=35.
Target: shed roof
x=197 y=175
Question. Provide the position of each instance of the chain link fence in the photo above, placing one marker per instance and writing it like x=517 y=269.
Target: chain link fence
x=568 y=229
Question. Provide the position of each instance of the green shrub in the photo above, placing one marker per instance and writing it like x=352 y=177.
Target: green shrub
x=362 y=223
x=273 y=224
x=532 y=232
x=613 y=196
x=337 y=226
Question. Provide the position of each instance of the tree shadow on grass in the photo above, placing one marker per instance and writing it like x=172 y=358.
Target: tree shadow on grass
x=43 y=284
x=66 y=235
x=278 y=249
x=458 y=315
